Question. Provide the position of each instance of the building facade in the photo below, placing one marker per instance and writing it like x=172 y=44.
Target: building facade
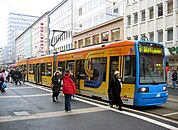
x=91 y=13
x=39 y=35
x=17 y=23
x=61 y=19
x=106 y=32
x=156 y=19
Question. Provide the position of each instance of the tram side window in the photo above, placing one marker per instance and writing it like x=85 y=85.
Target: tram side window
x=70 y=65
x=30 y=69
x=99 y=69
x=48 y=69
x=129 y=69
x=34 y=69
x=43 y=69
x=80 y=71
x=61 y=66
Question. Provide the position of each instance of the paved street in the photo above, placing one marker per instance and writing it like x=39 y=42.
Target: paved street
x=30 y=107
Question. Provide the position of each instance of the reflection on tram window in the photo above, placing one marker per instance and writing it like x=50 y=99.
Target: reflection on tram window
x=48 y=69
x=43 y=69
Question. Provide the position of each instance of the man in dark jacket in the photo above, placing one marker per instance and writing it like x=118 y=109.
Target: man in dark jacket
x=56 y=81
x=115 y=90
x=17 y=76
x=174 y=79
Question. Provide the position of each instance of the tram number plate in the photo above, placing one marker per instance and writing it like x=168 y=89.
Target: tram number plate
x=158 y=95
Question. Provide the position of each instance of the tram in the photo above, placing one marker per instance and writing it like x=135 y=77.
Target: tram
x=141 y=64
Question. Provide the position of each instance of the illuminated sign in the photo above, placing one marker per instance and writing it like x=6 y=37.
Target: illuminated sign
x=145 y=49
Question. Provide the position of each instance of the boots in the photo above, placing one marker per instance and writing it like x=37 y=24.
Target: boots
x=120 y=108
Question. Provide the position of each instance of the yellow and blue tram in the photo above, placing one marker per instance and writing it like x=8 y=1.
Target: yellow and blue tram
x=141 y=65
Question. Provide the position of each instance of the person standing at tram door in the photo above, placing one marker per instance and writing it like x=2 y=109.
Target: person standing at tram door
x=69 y=89
x=56 y=81
x=174 y=79
x=115 y=90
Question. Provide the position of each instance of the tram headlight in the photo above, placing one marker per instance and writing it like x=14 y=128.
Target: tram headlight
x=143 y=89
x=164 y=88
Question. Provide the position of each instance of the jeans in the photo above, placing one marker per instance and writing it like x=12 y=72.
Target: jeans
x=67 y=102
x=173 y=84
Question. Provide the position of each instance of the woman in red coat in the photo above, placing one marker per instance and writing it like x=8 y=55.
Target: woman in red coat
x=69 y=89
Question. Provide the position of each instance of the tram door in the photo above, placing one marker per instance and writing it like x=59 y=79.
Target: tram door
x=38 y=78
x=114 y=65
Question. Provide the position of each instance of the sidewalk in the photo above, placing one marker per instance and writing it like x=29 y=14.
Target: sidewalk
x=172 y=94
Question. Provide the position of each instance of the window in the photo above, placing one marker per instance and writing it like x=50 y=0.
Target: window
x=128 y=2
x=129 y=69
x=48 y=69
x=135 y=37
x=75 y=44
x=170 y=6
x=142 y=15
x=80 y=43
x=160 y=10
x=151 y=13
x=87 y=41
x=160 y=36
x=80 y=70
x=105 y=37
x=98 y=67
x=128 y=20
x=115 y=34
x=61 y=66
x=169 y=34
x=128 y=38
x=96 y=39
x=151 y=36
x=43 y=69
x=80 y=11
x=135 y=18
x=30 y=69
x=95 y=20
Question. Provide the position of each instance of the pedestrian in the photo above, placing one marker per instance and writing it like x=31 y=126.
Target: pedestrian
x=23 y=76
x=4 y=75
x=114 y=91
x=17 y=77
x=56 y=81
x=69 y=89
x=174 y=79
x=2 y=86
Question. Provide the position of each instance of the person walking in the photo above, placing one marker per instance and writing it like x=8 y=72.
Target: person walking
x=56 y=81
x=69 y=89
x=174 y=79
x=17 y=76
x=1 y=82
x=114 y=91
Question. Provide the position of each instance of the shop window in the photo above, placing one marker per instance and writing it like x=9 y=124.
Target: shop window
x=115 y=34
x=87 y=41
x=105 y=36
x=80 y=43
x=96 y=39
